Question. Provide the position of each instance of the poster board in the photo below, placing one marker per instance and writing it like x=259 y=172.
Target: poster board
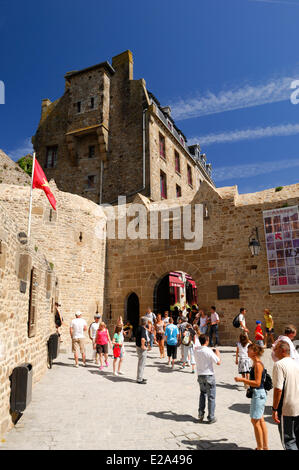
x=282 y=245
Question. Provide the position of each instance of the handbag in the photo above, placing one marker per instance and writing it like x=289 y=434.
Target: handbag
x=249 y=392
x=116 y=351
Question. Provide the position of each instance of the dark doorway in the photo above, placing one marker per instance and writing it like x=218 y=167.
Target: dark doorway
x=133 y=311
x=162 y=296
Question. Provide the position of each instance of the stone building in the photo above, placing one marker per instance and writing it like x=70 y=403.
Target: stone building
x=108 y=135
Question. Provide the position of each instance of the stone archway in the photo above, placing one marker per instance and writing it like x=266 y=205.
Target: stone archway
x=132 y=310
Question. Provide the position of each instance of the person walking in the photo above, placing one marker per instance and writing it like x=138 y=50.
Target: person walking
x=160 y=327
x=118 y=349
x=205 y=359
x=242 y=320
x=172 y=337
x=214 y=322
x=151 y=317
x=77 y=329
x=258 y=334
x=259 y=396
x=165 y=319
x=142 y=340
x=102 y=341
x=269 y=326
x=242 y=359
x=188 y=342
x=203 y=322
x=290 y=333
x=58 y=318
x=285 y=409
x=92 y=333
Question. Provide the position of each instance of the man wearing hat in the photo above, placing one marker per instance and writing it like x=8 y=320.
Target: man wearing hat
x=78 y=326
x=92 y=333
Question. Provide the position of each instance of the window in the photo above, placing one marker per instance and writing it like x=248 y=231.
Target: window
x=32 y=304
x=79 y=107
x=91 y=181
x=178 y=191
x=92 y=102
x=189 y=174
x=91 y=151
x=177 y=162
x=162 y=146
x=51 y=159
x=163 y=185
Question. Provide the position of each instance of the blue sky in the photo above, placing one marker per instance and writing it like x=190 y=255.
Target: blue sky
x=224 y=66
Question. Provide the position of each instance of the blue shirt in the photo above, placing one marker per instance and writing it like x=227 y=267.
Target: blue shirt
x=171 y=333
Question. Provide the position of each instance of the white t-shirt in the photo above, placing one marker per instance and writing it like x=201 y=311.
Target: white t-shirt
x=78 y=328
x=293 y=352
x=243 y=351
x=93 y=329
x=205 y=359
x=286 y=372
x=214 y=317
x=151 y=316
x=166 y=320
x=242 y=319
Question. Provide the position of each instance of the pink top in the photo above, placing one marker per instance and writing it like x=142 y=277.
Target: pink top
x=102 y=337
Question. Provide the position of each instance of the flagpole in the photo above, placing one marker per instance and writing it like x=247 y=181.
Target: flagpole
x=30 y=205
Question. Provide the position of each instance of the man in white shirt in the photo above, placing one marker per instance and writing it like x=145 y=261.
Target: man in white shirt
x=214 y=322
x=92 y=333
x=77 y=328
x=205 y=359
x=290 y=333
x=285 y=409
x=242 y=320
x=152 y=317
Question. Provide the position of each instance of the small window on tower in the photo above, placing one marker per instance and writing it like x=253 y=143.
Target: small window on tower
x=163 y=185
x=162 y=146
x=92 y=102
x=79 y=107
x=178 y=191
x=91 y=152
x=91 y=181
x=51 y=158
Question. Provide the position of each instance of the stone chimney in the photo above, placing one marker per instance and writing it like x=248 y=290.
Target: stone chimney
x=167 y=110
x=123 y=65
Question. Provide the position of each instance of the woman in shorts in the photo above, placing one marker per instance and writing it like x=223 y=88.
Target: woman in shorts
x=102 y=340
x=160 y=327
x=259 y=395
x=269 y=326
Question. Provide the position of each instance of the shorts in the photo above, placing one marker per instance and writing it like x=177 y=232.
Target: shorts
x=258 y=402
x=171 y=351
x=159 y=336
x=271 y=331
x=102 y=348
x=78 y=345
x=244 y=365
x=260 y=342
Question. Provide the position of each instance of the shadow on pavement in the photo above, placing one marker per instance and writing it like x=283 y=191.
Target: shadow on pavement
x=245 y=408
x=172 y=416
x=112 y=378
x=219 y=444
x=231 y=386
x=64 y=364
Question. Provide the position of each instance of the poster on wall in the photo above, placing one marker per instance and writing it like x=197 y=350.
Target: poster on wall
x=282 y=243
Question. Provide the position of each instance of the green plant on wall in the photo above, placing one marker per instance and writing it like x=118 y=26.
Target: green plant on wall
x=26 y=164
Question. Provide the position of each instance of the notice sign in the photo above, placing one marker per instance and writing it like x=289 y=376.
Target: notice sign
x=282 y=242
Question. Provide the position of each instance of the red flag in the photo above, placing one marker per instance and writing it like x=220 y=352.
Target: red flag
x=40 y=182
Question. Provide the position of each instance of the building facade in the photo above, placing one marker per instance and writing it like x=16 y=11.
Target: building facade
x=109 y=136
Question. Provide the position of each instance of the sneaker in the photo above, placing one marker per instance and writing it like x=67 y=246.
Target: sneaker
x=101 y=367
x=77 y=365
x=140 y=382
x=211 y=421
x=115 y=373
x=120 y=373
x=84 y=364
x=200 y=417
x=193 y=372
x=107 y=364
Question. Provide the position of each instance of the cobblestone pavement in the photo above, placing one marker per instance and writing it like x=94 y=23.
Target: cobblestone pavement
x=87 y=409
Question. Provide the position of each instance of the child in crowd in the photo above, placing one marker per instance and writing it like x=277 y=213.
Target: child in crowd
x=242 y=359
x=118 y=350
x=259 y=337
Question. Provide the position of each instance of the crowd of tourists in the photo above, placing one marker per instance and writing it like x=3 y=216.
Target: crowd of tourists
x=193 y=334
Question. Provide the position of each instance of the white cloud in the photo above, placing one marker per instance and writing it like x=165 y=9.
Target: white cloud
x=253 y=169
x=228 y=100
x=24 y=148
x=245 y=134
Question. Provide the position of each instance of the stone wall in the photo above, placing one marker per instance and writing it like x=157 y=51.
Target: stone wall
x=11 y=173
x=16 y=348
x=225 y=259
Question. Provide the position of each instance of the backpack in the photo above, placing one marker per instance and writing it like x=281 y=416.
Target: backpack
x=236 y=321
x=268 y=385
x=186 y=339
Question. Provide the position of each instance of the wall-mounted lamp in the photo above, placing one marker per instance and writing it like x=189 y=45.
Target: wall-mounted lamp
x=254 y=242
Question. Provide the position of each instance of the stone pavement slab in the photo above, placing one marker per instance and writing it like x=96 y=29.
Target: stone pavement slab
x=85 y=408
